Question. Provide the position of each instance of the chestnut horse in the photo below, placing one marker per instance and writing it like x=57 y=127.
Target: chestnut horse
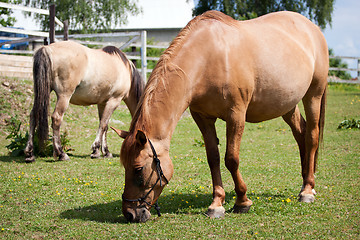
x=81 y=76
x=237 y=71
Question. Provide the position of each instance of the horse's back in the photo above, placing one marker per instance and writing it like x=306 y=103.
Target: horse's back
x=89 y=76
x=289 y=55
x=264 y=65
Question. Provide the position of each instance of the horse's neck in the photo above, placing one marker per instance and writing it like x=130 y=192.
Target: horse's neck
x=164 y=108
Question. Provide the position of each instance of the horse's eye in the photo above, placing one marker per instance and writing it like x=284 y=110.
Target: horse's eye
x=138 y=177
x=138 y=170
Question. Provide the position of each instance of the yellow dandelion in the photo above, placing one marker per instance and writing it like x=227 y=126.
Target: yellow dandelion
x=288 y=200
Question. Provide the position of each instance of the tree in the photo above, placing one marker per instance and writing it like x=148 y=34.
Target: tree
x=87 y=15
x=5 y=15
x=318 y=10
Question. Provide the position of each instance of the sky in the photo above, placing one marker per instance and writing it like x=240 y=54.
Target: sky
x=343 y=37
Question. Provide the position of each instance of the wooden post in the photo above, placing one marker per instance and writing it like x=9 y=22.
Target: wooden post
x=52 y=23
x=66 y=30
x=133 y=50
x=143 y=55
x=358 y=69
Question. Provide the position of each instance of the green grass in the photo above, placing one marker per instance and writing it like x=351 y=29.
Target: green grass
x=81 y=199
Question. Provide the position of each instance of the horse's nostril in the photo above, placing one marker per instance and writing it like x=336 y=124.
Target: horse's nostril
x=129 y=217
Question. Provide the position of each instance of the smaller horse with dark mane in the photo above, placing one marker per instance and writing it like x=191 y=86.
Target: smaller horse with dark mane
x=81 y=76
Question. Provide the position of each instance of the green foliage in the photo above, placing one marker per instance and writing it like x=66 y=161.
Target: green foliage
x=349 y=124
x=338 y=63
x=199 y=143
x=19 y=139
x=318 y=10
x=5 y=19
x=87 y=16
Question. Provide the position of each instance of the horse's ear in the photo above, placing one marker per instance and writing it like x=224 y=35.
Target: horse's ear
x=141 y=137
x=121 y=133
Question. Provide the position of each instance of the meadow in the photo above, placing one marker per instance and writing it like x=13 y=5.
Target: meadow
x=81 y=198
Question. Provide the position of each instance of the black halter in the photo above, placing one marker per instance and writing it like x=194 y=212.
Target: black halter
x=160 y=176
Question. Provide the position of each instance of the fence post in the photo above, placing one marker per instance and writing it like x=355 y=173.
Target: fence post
x=66 y=30
x=358 y=70
x=143 y=55
x=52 y=23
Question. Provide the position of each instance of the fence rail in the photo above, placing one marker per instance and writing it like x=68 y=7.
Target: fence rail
x=333 y=79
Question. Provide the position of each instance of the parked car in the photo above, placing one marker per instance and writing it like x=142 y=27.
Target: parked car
x=6 y=36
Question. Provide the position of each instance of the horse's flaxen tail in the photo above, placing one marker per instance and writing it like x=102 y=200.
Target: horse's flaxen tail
x=42 y=74
x=321 y=125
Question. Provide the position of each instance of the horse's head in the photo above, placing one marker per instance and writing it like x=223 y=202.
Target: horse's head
x=148 y=168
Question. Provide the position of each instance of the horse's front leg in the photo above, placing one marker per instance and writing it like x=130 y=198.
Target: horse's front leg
x=105 y=111
x=207 y=128
x=57 y=117
x=234 y=130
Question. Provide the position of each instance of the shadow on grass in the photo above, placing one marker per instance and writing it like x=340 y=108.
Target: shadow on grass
x=171 y=203
x=21 y=159
x=12 y=159
x=111 y=212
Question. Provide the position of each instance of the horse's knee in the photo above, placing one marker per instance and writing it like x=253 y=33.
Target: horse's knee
x=231 y=163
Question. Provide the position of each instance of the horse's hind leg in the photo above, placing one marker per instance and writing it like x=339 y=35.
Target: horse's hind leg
x=105 y=111
x=313 y=106
x=57 y=117
x=298 y=127
x=207 y=128
x=29 y=150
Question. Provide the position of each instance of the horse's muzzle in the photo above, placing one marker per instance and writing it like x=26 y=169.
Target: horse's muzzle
x=137 y=215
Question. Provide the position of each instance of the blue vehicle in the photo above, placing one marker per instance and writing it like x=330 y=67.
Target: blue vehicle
x=6 y=36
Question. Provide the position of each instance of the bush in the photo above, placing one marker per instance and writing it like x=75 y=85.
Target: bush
x=18 y=141
x=349 y=124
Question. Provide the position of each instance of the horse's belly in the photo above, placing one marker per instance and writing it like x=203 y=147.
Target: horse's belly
x=272 y=102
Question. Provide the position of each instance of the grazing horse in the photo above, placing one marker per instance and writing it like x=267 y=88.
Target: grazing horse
x=237 y=71
x=81 y=76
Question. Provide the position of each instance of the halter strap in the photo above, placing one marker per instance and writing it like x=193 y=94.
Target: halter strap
x=160 y=176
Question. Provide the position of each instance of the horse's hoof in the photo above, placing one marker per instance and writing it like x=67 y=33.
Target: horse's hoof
x=218 y=212
x=240 y=209
x=30 y=159
x=108 y=155
x=96 y=155
x=305 y=197
x=64 y=157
